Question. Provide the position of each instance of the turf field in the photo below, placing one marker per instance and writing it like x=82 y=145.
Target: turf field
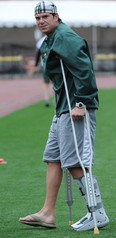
x=23 y=136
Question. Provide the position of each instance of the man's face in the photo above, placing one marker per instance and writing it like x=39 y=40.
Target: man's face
x=46 y=22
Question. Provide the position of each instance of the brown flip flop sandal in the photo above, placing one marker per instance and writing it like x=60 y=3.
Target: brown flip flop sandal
x=35 y=220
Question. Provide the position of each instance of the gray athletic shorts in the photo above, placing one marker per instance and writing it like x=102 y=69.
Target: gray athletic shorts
x=60 y=146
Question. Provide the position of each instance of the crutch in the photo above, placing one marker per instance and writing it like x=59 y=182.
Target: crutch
x=87 y=174
x=69 y=195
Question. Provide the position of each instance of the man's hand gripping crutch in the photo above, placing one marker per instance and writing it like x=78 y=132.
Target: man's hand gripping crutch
x=87 y=171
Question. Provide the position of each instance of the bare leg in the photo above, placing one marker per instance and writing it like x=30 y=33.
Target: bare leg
x=76 y=172
x=53 y=181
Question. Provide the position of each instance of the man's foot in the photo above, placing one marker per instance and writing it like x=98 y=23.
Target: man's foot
x=37 y=220
x=87 y=223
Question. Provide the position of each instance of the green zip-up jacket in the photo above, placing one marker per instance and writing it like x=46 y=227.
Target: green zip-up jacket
x=64 y=43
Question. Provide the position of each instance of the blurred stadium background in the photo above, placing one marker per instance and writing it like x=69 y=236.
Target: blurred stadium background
x=93 y=20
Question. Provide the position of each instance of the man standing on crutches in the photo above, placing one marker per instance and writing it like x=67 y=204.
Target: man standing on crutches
x=67 y=62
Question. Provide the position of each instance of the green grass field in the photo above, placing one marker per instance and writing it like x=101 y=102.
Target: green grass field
x=23 y=135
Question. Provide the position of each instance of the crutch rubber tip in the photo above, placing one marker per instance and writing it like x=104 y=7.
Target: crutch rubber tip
x=96 y=231
x=70 y=223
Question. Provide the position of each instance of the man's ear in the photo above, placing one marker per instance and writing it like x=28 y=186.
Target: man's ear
x=56 y=15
